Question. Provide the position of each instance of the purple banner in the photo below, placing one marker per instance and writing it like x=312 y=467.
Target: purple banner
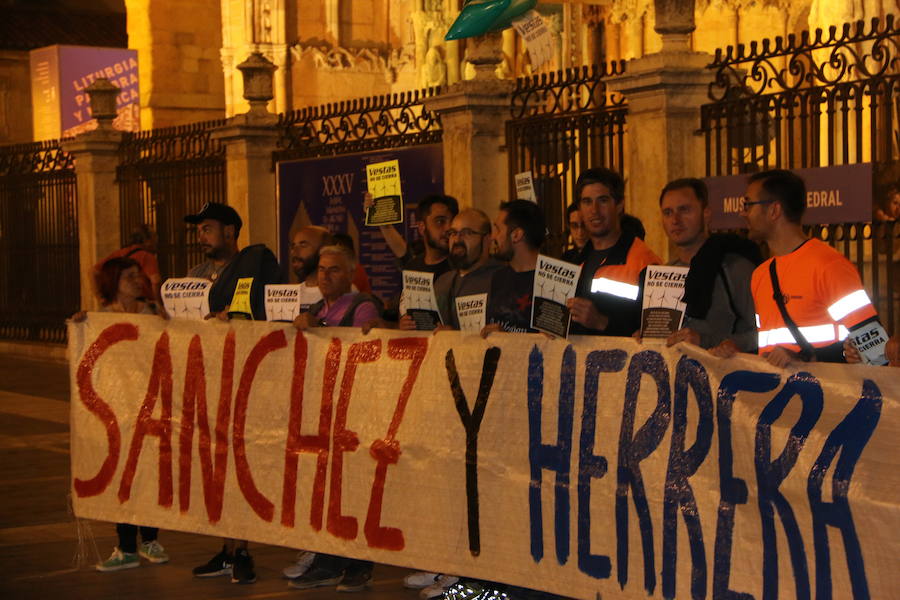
x=60 y=75
x=840 y=194
x=329 y=192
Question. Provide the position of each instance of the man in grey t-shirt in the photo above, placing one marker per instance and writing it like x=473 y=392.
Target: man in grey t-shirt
x=717 y=290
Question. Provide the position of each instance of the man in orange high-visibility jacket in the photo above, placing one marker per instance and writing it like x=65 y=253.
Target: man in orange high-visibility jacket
x=606 y=301
x=821 y=290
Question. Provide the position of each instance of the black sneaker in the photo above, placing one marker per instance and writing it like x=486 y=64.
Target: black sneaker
x=315 y=577
x=243 y=567
x=220 y=564
x=355 y=581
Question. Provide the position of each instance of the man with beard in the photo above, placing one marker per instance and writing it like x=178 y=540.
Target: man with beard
x=518 y=235
x=717 y=289
x=218 y=228
x=606 y=301
x=305 y=246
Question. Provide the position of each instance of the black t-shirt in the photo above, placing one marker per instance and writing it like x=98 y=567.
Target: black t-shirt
x=417 y=263
x=509 y=302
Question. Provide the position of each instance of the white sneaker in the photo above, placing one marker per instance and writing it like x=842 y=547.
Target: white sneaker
x=419 y=580
x=437 y=589
x=300 y=566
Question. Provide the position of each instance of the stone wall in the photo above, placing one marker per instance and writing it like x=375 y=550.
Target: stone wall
x=15 y=97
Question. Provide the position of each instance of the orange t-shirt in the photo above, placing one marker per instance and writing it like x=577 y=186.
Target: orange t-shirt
x=823 y=294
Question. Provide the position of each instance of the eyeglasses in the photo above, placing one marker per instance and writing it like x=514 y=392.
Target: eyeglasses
x=465 y=232
x=576 y=225
x=746 y=203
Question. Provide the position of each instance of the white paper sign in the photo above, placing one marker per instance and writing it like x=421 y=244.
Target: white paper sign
x=283 y=301
x=662 y=311
x=419 y=300
x=525 y=187
x=186 y=297
x=470 y=311
x=538 y=39
x=870 y=340
x=555 y=282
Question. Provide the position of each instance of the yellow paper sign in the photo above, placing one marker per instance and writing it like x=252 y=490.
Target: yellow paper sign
x=240 y=302
x=383 y=181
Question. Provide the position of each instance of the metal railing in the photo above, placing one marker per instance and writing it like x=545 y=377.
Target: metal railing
x=165 y=174
x=561 y=124
x=39 y=270
x=811 y=100
x=360 y=125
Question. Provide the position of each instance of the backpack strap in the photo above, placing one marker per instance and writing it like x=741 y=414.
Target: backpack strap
x=807 y=352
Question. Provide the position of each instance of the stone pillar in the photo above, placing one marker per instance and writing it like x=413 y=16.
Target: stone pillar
x=473 y=114
x=664 y=91
x=96 y=156
x=249 y=140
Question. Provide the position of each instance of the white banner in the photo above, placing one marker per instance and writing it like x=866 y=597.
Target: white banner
x=582 y=467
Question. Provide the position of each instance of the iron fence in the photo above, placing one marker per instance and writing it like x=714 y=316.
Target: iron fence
x=165 y=174
x=360 y=125
x=811 y=100
x=561 y=124
x=39 y=270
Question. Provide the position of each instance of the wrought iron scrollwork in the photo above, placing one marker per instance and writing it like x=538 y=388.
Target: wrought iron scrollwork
x=37 y=157
x=571 y=90
x=388 y=121
x=853 y=52
x=170 y=144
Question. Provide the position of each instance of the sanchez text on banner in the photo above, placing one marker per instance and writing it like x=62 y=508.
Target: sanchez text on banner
x=585 y=466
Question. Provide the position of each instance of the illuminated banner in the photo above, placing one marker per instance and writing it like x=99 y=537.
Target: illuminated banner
x=59 y=77
x=841 y=194
x=593 y=466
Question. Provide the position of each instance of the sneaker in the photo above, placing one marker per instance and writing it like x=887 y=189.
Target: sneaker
x=119 y=560
x=355 y=581
x=242 y=572
x=419 y=580
x=220 y=564
x=317 y=577
x=300 y=566
x=471 y=590
x=154 y=552
x=437 y=589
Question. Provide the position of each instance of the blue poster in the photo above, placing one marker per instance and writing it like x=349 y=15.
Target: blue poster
x=329 y=192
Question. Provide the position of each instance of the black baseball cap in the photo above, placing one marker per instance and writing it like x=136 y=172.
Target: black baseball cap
x=222 y=213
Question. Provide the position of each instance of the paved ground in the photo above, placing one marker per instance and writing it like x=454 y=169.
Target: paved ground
x=46 y=554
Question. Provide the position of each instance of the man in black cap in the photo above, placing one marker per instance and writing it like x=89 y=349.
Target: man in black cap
x=218 y=228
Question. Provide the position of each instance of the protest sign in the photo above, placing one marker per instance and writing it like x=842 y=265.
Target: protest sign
x=186 y=297
x=383 y=182
x=283 y=301
x=662 y=310
x=585 y=467
x=419 y=300
x=538 y=39
x=555 y=282
x=525 y=187
x=239 y=307
x=470 y=311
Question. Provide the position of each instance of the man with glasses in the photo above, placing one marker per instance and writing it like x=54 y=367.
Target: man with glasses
x=606 y=301
x=577 y=233
x=807 y=295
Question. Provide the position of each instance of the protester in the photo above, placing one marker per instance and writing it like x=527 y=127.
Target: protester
x=577 y=233
x=360 y=278
x=889 y=209
x=339 y=306
x=433 y=216
x=717 y=289
x=141 y=248
x=120 y=284
x=518 y=234
x=807 y=293
x=606 y=301
x=305 y=245
x=218 y=228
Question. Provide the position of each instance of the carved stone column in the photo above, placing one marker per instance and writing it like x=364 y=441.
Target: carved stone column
x=664 y=92
x=96 y=156
x=473 y=114
x=249 y=140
